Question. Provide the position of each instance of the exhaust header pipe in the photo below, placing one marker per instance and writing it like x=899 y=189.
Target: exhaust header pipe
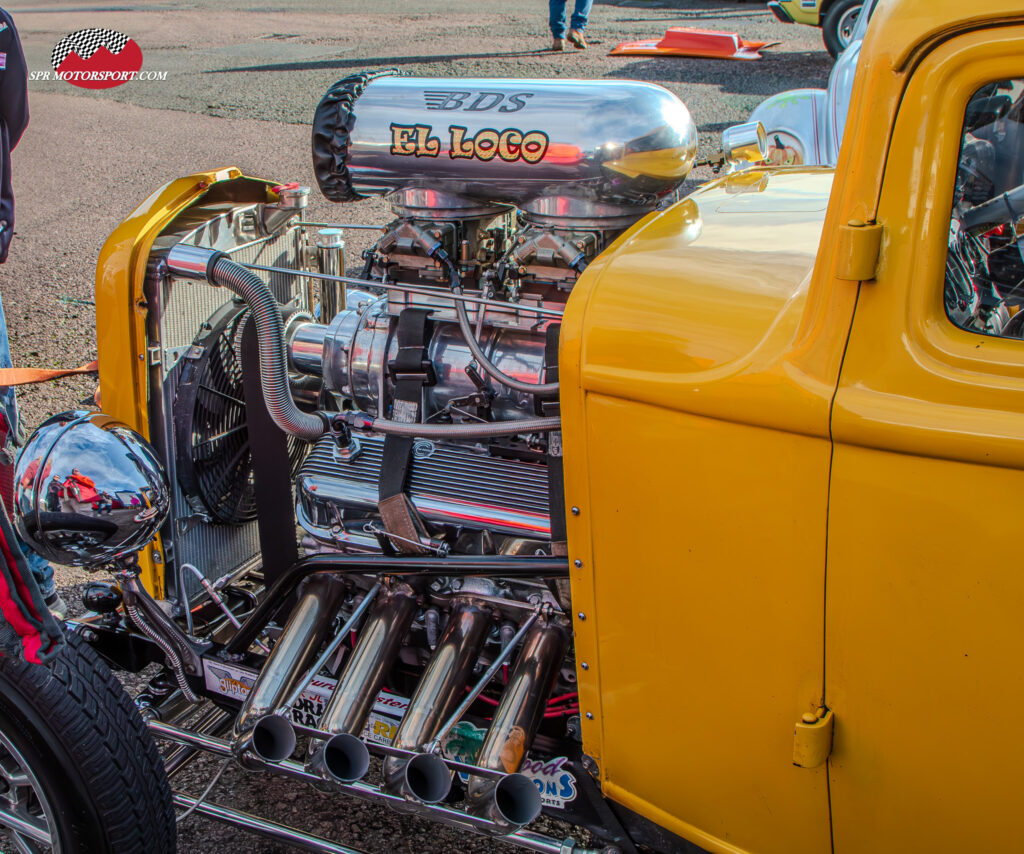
x=259 y=728
x=344 y=757
x=513 y=800
x=272 y=739
x=426 y=777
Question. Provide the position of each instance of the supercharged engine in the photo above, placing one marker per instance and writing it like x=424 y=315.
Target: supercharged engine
x=503 y=192
x=405 y=405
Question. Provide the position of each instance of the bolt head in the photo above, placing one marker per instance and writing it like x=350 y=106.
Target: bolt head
x=584 y=665
x=575 y=511
x=581 y=615
x=577 y=563
x=590 y=716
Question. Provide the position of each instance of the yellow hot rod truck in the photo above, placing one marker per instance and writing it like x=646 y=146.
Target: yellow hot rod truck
x=681 y=522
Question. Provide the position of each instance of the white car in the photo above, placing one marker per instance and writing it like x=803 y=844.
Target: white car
x=805 y=126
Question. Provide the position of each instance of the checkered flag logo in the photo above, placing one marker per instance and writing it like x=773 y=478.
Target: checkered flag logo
x=86 y=42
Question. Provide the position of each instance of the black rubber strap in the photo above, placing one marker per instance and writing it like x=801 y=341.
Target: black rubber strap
x=548 y=404
x=271 y=468
x=332 y=123
x=411 y=371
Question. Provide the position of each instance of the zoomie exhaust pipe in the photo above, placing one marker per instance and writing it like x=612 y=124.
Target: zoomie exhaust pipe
x=513 y=801
x=259 y=729
x=425 y=776
x=344 y=757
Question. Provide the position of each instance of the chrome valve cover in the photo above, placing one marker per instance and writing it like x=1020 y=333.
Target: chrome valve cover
x=448 y=484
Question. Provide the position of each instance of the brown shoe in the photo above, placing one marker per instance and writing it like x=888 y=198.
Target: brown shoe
x=558 y=44
x=576 y=37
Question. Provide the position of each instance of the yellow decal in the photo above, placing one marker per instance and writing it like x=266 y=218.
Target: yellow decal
x=509 y=145
x=414 y=141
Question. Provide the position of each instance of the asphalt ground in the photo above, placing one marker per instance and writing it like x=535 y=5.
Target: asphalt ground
x=243 y=80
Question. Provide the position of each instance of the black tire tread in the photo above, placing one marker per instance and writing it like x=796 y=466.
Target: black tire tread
x=829 y=31
x=98 y=725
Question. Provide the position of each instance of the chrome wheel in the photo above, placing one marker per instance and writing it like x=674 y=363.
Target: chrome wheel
x=26 y=815
x=846 y=24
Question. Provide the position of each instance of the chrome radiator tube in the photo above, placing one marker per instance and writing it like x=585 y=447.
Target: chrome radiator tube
x=345 y=757
x=426 y=777
x=513 y=801
x=259 y=728
x=218 y=269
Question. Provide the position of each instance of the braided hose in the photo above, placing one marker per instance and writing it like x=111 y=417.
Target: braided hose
x=173 y=659
x=484 y=430
x=266 y=314
x=474 y=347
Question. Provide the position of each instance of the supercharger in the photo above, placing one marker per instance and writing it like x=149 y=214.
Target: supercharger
x=503 y=191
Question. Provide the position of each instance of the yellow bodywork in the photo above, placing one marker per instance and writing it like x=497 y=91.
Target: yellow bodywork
x=808 y=527
x=719 y=505
x=802 y=12
x=121 y=317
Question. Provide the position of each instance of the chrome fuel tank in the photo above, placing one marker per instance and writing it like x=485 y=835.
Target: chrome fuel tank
x=539 y=144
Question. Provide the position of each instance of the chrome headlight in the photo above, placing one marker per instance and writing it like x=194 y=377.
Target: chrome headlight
x=88 y=490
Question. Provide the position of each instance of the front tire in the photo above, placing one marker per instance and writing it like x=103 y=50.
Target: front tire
x=838 y=23
x=79 y=772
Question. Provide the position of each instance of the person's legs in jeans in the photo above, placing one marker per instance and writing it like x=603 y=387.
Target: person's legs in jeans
x=556 y=18
x=580 y=14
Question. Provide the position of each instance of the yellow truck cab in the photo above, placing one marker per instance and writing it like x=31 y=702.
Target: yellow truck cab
x=795 y=610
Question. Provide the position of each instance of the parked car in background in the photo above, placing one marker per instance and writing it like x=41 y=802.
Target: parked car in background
x=836 y=18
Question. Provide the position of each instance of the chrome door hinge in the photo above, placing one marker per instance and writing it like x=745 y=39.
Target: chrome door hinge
x=858 y=248
x=812 y=738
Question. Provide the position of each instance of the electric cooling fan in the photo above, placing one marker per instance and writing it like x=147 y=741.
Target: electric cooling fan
x=212 y=436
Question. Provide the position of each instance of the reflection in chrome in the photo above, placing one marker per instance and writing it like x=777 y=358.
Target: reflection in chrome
x=88 y=490
x=615 y=144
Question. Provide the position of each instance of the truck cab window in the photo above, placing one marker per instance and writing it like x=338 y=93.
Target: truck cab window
x=984 y=288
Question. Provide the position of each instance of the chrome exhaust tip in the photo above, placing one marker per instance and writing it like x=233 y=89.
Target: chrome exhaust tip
x=426 y=778
x=516 y=801
x=272 y=739
x=343 y=758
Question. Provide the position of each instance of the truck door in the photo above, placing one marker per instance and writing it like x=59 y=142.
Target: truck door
x=924 y=587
